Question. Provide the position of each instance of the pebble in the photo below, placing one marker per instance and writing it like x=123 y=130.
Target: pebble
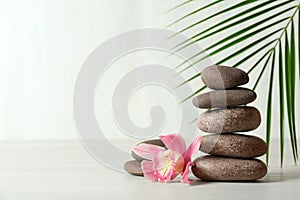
x=228 y=169
x=133 y=167
x=233 y=145
x=157 y=142
x=223 y=77
x=231 y=119
x=224 y=98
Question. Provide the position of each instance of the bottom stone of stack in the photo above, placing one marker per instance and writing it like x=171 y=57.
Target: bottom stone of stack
x=215 y=168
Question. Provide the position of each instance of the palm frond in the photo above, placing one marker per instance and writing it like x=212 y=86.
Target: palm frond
x=252 y=19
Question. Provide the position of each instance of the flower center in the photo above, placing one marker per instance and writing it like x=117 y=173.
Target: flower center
x=170 y=164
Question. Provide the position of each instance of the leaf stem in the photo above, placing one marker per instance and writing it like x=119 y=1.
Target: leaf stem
x=284 y=30
x=286 y=27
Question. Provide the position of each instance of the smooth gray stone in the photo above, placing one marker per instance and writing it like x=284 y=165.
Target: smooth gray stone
x=223 y=77
x=133 y=167
x=233 y=145
x=231 y=119
x=157 y=142
x=215 y=168
x=224 y=98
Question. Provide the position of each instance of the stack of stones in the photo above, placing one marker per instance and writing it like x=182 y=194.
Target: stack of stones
x=232 y=155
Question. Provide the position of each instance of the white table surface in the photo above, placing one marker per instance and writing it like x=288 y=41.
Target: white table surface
x=64 y=170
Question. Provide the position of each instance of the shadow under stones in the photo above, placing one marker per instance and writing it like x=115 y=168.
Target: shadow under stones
x=283 y=175
x=271 y=177
x=200 y=182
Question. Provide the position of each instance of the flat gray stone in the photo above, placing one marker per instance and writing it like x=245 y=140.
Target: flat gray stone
x=157 y=142
x=223 y=77
x=233 y=145
x=224 y=98
x=133 y=167
x=215 y=168
x=227 y=120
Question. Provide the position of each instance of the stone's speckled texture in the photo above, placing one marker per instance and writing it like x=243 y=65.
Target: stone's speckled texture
x=222 y=77
x=157 y=142
x=228 y=169
x=233 y=145
x=224 y=98
x=229 y=120
x=133 y=167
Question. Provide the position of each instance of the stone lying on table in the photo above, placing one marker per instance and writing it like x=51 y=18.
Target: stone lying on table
x=224 y=98
x=215 y=168
x=233 y=145
x=229 y=120
x=222 y=77
x=157 y=142
x=133 y=167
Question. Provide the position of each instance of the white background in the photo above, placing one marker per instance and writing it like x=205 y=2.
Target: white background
x=43 y=44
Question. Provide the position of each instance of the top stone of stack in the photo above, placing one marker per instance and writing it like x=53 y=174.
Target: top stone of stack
x=223 y=77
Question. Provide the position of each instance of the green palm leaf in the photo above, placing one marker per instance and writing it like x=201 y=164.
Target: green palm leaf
x=198 y=91
x=253 y=54
x=251 y=19
x=238 y=63
x=194 y=12
x=178 y=6
x=262 y=72
x=293 y=82
x=257 y=63
x=238 y=52
x=269 y=108
x=238 y=33
x=290 y=90
x=224 y=21
x=212 y=16
x=235 y=23
x=281 y=101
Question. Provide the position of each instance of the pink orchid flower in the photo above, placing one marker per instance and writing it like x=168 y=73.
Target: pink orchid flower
x=164 y=165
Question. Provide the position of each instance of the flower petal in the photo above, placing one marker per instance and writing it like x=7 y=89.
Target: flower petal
x=185 y=174
x=168 y=175
x=148 y=170
x=166 y=165
x=194 y=147
x=147 y=151
x=163 y=166
x=174 y=142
